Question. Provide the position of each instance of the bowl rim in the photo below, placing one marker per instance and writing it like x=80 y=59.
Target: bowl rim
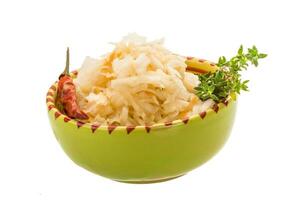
x=50 y=102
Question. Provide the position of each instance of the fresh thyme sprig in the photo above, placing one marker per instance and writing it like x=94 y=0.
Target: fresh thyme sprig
x=227 y=79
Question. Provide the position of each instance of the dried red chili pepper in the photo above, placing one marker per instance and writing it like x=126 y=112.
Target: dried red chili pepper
x=66 y=94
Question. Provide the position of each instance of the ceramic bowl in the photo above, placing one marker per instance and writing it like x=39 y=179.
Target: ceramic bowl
x=143 y=154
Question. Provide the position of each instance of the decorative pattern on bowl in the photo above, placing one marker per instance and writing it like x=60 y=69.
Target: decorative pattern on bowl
x=142 y=154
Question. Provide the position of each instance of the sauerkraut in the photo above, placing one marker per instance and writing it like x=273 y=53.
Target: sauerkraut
x=138 y=83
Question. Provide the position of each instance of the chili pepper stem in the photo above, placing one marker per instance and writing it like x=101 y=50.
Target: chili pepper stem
x=66 y=71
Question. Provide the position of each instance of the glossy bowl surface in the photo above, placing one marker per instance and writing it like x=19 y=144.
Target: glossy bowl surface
x=143 y=154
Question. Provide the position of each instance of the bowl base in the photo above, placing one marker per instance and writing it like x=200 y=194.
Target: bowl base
x=150 y=181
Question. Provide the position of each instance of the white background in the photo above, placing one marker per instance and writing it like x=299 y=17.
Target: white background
x=261 y=158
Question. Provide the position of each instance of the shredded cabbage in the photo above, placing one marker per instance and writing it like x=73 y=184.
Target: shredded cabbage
x=138 y=83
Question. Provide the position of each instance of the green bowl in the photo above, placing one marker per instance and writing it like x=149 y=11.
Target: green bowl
x=143 y=154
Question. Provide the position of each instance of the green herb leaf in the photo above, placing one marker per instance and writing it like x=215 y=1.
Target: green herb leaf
x=262 y=55
x=227 y=79
x=240 y=51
